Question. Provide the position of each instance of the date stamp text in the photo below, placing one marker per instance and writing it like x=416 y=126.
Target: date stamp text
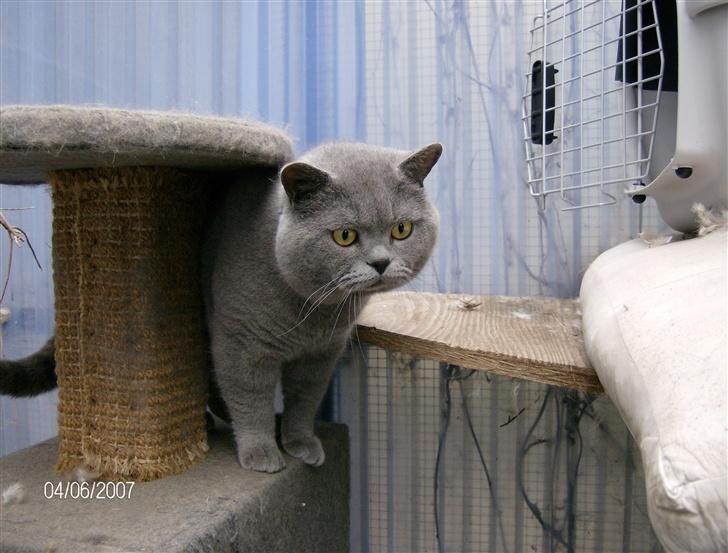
x=88 y=490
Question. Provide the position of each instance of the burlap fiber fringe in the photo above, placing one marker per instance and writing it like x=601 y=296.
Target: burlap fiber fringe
x=130 y=340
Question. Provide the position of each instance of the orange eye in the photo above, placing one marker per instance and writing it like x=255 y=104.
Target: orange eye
x=344 y=236
x=402 y=230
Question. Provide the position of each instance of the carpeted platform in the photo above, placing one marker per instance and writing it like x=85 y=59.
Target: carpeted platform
x=213 y=507
x=36 y=139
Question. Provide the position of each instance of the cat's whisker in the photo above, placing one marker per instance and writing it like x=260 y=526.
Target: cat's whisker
x=340 y=309
x=413 y=281
x=316 y=304
x=303 y=305
x=342 y=281
x=332 y=281
x=324 y=296
x=343 y=300
x=358 y=299
x=348 y=311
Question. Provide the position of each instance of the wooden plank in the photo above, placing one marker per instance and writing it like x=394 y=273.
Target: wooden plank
x=534 y=338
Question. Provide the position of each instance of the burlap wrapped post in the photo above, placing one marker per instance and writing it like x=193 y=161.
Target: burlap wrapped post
x=130 y=341
x=130 y=338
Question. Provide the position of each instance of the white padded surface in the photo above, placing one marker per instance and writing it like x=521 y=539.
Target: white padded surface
x=654 y=323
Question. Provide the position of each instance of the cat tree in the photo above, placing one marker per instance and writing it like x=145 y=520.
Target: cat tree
x=128 y=194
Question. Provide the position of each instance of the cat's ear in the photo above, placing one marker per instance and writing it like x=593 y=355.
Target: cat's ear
x=418 y=165
x=301 y=180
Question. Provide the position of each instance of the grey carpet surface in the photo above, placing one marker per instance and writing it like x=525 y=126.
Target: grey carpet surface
x=214 y=507
x=35 y=139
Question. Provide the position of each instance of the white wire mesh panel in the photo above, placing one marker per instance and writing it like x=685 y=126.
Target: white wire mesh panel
x=565 y=474
x=591 y=99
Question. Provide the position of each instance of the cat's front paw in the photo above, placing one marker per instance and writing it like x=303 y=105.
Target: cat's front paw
x=307 y=448
x=262 y=456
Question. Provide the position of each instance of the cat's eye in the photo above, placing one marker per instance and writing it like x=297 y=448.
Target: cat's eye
x=344 y=236
x=402 y=230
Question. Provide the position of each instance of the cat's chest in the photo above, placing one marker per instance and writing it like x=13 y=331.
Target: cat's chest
x=319 y=331
x=324 y=327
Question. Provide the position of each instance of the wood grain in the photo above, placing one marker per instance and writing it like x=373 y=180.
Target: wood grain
x=533 y=338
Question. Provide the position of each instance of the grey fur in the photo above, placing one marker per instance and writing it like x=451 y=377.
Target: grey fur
x=283 y=296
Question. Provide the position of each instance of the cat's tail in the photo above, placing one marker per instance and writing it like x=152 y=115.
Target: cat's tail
x=31 y=375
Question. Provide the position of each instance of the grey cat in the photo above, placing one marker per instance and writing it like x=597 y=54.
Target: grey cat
x=349 y=220
x=285 y=271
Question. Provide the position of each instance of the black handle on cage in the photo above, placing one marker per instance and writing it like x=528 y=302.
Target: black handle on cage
x=539 y=82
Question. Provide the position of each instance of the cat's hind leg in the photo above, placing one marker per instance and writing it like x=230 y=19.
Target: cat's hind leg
x=305 y=381
x=247 y=384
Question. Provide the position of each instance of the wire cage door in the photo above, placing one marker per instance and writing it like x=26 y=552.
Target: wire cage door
x=591 y=99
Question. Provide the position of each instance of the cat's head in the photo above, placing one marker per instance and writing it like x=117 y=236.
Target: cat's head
x=356 y=219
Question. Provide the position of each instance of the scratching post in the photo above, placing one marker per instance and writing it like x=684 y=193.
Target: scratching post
x=128 y=219
x=129 y=328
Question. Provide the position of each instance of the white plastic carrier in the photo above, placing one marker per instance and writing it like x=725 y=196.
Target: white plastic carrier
x=629 y=97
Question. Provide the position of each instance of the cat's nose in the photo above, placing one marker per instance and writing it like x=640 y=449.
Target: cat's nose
x=380 y=265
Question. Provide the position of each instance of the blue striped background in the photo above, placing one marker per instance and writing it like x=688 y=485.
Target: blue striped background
x=394 y=73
